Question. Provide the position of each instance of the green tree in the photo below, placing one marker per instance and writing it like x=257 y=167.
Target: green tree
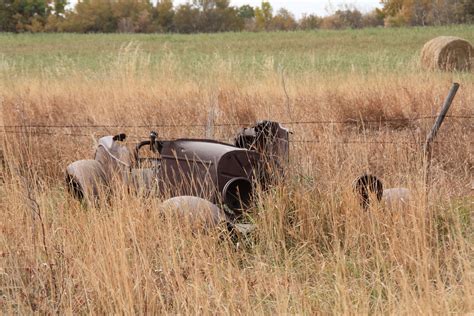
x=186 y=18
x=110 y=16
x=91 y=16
x=217 y=16
x=263 y=16
x=246 y=12
x=163 y=15
x=55 y=19
x=60 y=7
x=7 y=10
x=17 y=15
x=28 y=15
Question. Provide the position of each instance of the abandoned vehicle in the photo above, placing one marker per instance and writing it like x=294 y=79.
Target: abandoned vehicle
x=224 y=174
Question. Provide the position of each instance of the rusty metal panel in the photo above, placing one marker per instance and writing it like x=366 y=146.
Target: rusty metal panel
x=219 y=172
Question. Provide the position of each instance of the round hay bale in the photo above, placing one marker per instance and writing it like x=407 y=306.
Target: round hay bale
x=447 y=53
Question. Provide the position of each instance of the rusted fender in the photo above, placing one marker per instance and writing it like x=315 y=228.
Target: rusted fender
x=86 y=179
x=196 y=211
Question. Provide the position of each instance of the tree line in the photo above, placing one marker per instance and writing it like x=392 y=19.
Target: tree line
x=208 y=16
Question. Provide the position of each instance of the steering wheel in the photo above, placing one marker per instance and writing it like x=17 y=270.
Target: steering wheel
x=154 y=146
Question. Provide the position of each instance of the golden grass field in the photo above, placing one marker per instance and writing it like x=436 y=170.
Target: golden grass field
x=314 y=251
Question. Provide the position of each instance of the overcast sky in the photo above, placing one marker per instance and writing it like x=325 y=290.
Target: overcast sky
x=298 y=7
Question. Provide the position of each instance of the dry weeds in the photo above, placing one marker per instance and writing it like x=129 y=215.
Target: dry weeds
x=315 y=251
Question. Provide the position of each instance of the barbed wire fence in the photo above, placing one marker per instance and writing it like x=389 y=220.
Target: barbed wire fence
x=80 y=128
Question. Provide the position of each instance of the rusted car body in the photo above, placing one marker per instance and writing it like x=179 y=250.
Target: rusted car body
x=224 y=174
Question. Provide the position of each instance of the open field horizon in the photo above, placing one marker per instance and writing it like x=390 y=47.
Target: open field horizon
x=326 y=51
x=368 y=106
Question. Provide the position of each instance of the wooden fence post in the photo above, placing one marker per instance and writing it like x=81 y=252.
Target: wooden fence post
x=427 y=150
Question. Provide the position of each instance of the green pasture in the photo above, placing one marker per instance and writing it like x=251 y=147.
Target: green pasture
x=326 y=51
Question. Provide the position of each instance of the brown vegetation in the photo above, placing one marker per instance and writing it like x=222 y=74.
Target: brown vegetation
x=315 y=250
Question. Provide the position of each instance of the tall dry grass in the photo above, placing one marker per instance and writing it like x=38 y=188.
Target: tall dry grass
x=314 y=251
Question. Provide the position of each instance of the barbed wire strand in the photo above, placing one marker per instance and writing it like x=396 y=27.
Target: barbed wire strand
x=294 y=141
x=309 y=122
